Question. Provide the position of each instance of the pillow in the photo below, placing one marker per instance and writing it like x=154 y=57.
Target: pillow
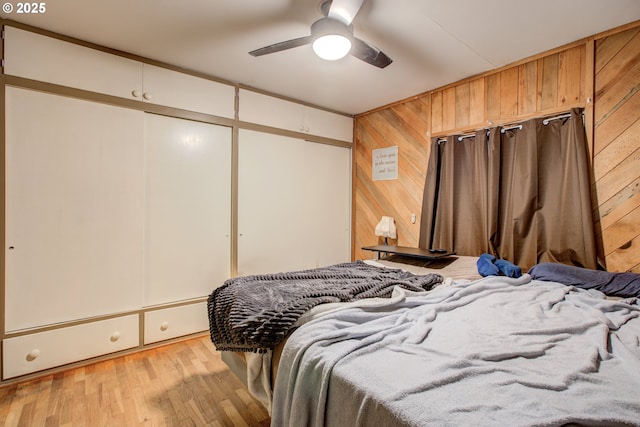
x=623 y=285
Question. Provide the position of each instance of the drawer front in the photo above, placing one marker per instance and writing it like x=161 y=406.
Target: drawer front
x=175 y=322
x=43 y=350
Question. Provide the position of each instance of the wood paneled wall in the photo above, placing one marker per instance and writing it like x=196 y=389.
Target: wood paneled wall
x=404 y=125
x=549 y=83
x=616 y=162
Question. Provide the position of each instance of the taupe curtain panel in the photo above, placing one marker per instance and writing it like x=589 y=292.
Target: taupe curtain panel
x=522 y=194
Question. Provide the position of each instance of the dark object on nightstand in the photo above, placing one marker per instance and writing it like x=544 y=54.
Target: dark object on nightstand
x=411 y=252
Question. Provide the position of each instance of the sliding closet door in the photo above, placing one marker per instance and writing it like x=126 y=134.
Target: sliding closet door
x=270 y=211
x=327 y=196
x=293 y=204
x=74 y=209
x=188 y=214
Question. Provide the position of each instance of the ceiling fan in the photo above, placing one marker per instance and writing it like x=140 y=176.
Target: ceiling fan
x=332 y=36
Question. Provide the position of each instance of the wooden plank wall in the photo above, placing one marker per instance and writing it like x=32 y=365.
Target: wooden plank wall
x=549 y=83
x=616 y=162
x=545 y=85
x=404 y=125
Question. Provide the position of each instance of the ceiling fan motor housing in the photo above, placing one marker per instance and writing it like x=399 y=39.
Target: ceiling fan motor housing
x=329 y=26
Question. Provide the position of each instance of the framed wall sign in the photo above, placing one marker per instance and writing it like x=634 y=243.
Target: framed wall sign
x=385 y=163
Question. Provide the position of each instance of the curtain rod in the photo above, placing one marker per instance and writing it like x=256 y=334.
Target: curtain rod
x=510 y=127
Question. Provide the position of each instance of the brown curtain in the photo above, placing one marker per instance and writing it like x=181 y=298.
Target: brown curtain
x=521 y=194
x=565 y=216
x=457 y=176
x=516 y=185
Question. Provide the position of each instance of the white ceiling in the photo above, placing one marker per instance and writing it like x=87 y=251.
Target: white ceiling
x=431 y=42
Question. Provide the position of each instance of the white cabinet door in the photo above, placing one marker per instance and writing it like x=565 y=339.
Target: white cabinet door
x=188 y=208
x=293 y=204
x=266 y=110
x=179 y=90
x=270 y=111
x=46 y=59
x=329 y=125
x=74 y=209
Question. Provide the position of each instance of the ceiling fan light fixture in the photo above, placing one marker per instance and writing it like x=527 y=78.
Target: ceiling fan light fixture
x=332 y=46
x=332 y=36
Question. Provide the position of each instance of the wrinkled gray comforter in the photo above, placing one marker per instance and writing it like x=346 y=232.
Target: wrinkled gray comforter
x=498 y=351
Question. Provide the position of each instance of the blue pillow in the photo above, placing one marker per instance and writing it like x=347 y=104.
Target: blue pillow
x=623 y=285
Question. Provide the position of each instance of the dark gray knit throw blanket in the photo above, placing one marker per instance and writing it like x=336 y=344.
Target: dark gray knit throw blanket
x=255 y=313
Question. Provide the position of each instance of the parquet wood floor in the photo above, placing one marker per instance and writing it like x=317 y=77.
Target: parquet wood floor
x=181 y=384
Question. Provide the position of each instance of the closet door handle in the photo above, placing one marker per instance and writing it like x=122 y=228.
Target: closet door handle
x=135 y=93
x=147 y=96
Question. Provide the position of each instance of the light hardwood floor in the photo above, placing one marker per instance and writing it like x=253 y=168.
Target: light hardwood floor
x=181 y=384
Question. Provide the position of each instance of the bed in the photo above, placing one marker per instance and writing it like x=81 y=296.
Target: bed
x=465 y=350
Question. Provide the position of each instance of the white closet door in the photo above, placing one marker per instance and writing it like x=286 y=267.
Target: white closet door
x=188 y=209
x=74 y=209
x=271 y=219
x=327 y=204
x=293 y=204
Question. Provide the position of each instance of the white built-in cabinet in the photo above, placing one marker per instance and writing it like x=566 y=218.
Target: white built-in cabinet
x=50 y=60
x=108 y=210
x=118 y=221
x=279 y=113
x=293 y=203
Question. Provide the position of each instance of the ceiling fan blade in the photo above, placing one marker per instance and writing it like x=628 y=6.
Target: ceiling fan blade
x=369 y=54
x=289 y=44
x=345 y=10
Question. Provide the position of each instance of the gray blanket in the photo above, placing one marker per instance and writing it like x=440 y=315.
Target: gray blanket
x=254 y=313
x=495 y=352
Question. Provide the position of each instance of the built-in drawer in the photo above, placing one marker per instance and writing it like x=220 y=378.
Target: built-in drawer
x=167 y=323
x=43 y=350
